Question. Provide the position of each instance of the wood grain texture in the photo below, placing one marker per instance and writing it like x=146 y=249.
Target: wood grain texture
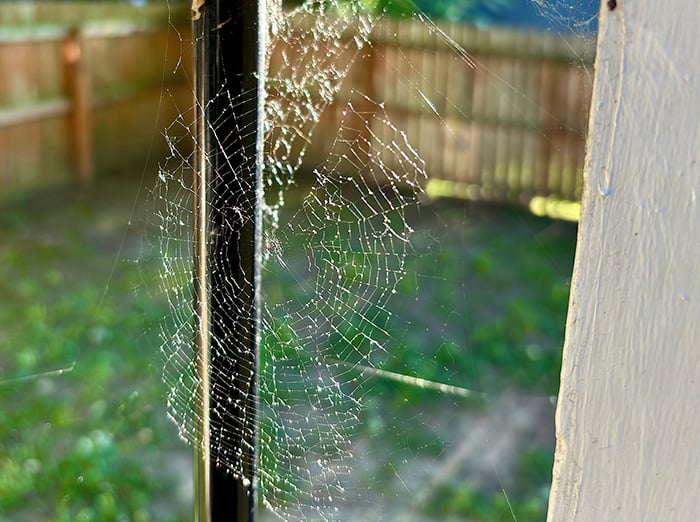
x=628 y=429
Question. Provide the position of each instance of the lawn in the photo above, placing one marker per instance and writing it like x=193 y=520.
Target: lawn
x=83 y=431
x=476 y=301
x=83 y=428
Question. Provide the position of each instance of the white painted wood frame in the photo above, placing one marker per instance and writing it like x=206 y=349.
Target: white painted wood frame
x=628 y=416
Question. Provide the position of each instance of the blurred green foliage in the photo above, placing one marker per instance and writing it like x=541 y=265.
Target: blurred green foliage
x=83 y=434
x=451 y=10
x=482 y=306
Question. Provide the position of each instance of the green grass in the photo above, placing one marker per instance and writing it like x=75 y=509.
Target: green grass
x=482 y=303
x=83 y=433
x=482 y=306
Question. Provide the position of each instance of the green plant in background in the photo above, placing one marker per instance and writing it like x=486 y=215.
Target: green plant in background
x=527 y=503
x=83 y=435
x=489 y=287
x=450 y=10
x=482 y=306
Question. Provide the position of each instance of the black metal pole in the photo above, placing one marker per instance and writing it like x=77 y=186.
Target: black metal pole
x=229 y=62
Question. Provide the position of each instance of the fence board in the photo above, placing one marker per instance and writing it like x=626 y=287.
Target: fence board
x=92 y=91
x=502 y=112
x=505 y=114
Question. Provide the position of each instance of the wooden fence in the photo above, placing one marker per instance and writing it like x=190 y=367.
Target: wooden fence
x=79 y=97
x=503 y=120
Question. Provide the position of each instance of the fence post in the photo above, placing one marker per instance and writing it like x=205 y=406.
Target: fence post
x=229 y=61
x=78 y=90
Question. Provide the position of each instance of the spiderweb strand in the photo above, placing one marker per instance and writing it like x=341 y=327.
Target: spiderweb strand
x=327 y=335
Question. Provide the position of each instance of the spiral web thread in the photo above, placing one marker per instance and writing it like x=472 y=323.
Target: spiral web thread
x=327 y=328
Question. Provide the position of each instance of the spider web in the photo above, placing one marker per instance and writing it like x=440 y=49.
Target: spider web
x=345 y=428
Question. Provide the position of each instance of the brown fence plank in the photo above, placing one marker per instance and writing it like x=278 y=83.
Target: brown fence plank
x=501 y=111
x=47 y=103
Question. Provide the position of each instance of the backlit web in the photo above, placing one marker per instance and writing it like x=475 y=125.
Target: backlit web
x=372 y=399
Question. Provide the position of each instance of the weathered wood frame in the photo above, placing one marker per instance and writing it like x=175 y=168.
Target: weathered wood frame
x=628 y=432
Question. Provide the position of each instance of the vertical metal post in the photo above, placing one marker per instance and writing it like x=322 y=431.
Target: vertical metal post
x=229 y=56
